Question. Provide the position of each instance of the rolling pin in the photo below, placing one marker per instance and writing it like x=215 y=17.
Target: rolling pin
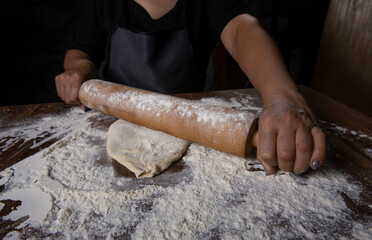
x=227 y=130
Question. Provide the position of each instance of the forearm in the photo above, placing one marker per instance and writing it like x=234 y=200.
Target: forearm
x=80 y=61
x=78 y=69
x=288 y=136
x=258 y=57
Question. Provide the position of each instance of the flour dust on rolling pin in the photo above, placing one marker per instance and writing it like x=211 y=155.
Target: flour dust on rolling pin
x=224 y=129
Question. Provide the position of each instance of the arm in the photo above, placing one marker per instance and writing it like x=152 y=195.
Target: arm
x=78 y=69
x=288 y=135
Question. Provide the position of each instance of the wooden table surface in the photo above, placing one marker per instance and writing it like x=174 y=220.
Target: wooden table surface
x=349 y=138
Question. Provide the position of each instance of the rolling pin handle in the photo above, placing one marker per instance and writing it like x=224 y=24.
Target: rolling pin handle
x=255 y=139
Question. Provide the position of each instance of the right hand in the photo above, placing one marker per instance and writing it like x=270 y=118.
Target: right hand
x=68 y=85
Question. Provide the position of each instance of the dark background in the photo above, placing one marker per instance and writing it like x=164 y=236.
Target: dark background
x=35 y=34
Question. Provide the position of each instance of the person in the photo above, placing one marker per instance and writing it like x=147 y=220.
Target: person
x=164 y=45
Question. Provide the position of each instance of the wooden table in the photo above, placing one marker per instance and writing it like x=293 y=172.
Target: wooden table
x=349 y=138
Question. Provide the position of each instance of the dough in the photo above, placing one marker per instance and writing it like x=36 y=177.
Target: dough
x=143 y=151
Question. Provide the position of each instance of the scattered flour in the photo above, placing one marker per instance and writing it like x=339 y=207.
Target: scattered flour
x=352 y=134
x=35 y=203
x=12 y=235
x=47 y=128
x=85 y=198
x=343 y=130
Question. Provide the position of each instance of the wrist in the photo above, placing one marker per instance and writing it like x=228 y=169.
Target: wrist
x=80 y=62
x=289 y=99
x=286 y=93
x=84 y=67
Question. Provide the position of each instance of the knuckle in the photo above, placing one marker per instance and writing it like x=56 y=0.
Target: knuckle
x=266 y=156
x=266 y=127
x=73 y=76
x=306 y=119
x=267 y=118
x=76 y=75
x=286 y=155
x=306 y=123
x=304 y=146
x=287 y=118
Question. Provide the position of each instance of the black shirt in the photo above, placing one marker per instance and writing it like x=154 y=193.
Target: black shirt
x=204 y=20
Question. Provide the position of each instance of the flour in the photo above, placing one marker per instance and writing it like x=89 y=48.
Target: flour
x=214 y=196
x=47 y=128
x=245 y=103
x=161 y=104
x=36 y=204
x=358 y=136
x=340 y=130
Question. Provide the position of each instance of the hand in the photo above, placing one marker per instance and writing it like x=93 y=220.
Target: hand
x=78 y=69
x=289 y=138
x=68 y=85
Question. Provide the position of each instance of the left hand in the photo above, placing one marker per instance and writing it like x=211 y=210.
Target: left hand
x=289 y=137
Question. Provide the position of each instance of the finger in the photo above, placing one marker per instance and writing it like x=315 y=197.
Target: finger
x=320 y=148
x=304 y=150
x=269 y=170
x=267 y=144
x=74 y=94
x=286 y=149
x=57 y=82
x=62 y=88
x=67 y=91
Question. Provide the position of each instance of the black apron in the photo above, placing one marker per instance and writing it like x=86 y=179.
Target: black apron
x=156 y=61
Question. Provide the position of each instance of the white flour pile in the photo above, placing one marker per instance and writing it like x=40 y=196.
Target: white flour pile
x=79 y=195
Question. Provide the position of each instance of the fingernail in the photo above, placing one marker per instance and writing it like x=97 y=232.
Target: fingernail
x=315 y=164
x=269 y=173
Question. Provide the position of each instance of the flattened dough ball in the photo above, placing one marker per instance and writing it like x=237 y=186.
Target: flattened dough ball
x=144 y=151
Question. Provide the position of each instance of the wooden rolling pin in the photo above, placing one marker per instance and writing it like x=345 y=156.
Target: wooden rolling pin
x=223 y=129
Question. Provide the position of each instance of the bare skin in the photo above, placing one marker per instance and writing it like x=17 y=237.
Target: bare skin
x=78 y=69
x=157 y=8
x=289 y=138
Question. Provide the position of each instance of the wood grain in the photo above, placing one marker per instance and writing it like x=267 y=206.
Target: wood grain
x=333 y=115
x=344 y=65
x=226 y=130
x=345 y=152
